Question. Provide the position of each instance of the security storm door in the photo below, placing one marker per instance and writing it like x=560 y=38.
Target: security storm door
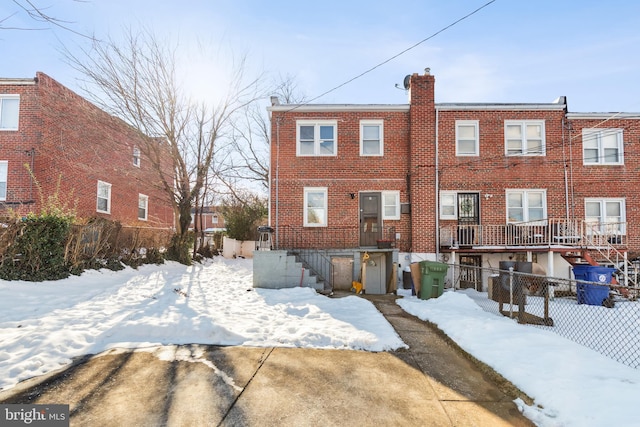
x=370 y=219
x=468 y=218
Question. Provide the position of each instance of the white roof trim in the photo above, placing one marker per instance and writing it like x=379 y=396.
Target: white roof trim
x=499 y=107
x=602 y=116
x=26 y=81
x=338 y=107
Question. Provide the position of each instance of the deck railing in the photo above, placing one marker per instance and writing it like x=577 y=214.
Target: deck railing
x=548 y=232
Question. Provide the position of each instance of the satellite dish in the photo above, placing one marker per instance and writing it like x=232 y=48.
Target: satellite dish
x=407 y=81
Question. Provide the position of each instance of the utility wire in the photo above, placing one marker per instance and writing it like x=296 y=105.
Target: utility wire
x=396 y=55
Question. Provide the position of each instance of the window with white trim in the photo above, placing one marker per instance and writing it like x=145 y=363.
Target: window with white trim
x=143 y=207
x=371 y=138
x=467 y=138
x=103 y=203
x=524 y=137
x=214 y=219
x=390 y=205
x=448 y=205
x=526 y=205
x=315 y=207
x=9 y=112
x=136 y=156
x=605 y=215
x=317 y=138
x=4 y=168
x=602 y=146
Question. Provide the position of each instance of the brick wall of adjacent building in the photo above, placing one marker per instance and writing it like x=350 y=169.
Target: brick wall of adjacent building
x=75 y=145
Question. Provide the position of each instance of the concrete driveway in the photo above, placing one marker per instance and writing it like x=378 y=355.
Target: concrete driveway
x=433 y=383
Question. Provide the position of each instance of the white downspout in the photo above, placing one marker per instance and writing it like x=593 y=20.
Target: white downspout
x=437 y=183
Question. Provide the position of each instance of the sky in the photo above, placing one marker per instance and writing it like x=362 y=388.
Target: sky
x=509 y=51
x=43 y=326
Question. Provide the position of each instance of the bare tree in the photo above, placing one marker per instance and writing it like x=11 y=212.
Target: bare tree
x=38 y=14
x=137 y=81
x=245 y=158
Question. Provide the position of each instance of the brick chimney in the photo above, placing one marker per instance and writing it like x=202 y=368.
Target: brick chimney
x=422 y=161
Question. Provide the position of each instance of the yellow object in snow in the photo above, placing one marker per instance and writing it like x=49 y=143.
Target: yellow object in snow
x=356 y=286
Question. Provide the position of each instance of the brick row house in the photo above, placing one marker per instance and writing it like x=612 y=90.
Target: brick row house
x=96 y=158
x=465 y=183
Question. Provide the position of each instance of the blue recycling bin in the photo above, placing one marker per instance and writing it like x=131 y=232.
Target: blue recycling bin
x=592 y=293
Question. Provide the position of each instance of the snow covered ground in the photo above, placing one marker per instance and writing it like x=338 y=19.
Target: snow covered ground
x=44 y=325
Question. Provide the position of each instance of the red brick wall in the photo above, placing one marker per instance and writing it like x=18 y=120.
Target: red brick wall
x=78 y=144
x=346 y=173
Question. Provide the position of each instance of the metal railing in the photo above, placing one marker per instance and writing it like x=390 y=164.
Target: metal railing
x=548 y=232
x=344 y=237
x=593 y=314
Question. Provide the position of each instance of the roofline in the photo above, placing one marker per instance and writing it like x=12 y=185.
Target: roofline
x=338 y=107
x=497 y=107
x=15 y=82
x=406 y=107
x=602 y=116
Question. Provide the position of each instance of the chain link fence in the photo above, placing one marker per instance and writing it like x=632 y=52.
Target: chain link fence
x=596 y=314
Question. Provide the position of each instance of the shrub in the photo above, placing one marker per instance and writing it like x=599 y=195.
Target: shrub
x=38 y=253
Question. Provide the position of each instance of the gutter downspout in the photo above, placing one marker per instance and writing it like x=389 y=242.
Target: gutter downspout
x=277 y=245
x=437 y=183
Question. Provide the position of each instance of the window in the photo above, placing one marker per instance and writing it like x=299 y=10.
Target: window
x=467 y=140
x=9 y=112
x=448 y=205
x=4 y=167
x=143 y=207
x=214 y=219
x=315 y=207
x=524 y=138
x=390 y=205
x=136 y=156
x=104 y=197
x=371 y=138
x=605 y=216
x=317 y=138
x=602 y=146
x=526 y=205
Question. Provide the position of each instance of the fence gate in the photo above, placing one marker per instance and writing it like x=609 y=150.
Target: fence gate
x=470 y=273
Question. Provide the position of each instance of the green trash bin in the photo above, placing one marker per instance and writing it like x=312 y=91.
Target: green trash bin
x=432 y=282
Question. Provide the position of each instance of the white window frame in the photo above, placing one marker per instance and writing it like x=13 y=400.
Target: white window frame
x=108 y=197
x=4 y=173
x=601 y=158
x=145 y=199
x=603 y=218
x=214 y=219
x=394 y=198
x=4 y=127
x=136 y=157
x=454 y=205
x=524 y=140
x=325 y=206
x=476 y=139
x=525 y=205
x=380 y=125
x=317 y=141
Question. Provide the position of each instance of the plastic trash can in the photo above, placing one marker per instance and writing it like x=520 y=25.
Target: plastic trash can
x=432 y=282
x=592 y=293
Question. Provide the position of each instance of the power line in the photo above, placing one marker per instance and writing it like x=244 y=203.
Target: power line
x=396 y=55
